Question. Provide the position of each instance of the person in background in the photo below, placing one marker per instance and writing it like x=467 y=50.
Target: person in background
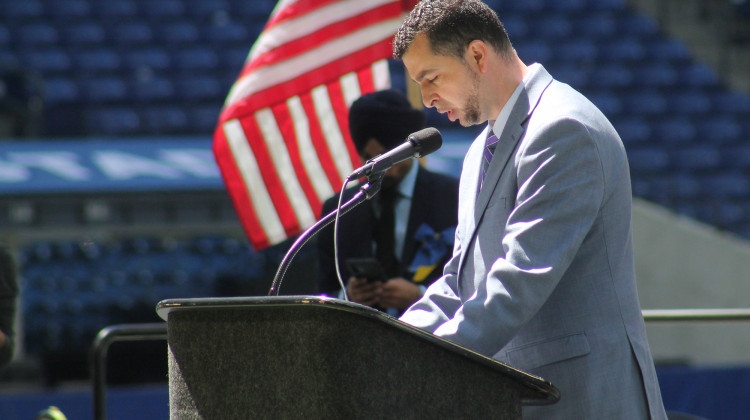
x=542 y=275
x=8 y=296
x=407 y=227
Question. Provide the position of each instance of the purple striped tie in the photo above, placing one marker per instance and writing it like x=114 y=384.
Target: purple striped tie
x=489 y=149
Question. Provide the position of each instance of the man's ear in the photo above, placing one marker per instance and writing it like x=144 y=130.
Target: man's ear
x=476 y=55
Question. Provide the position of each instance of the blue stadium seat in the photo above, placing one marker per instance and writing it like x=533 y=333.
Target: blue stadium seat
x=181 y=32
x=567 y=6
x=199 y=87
x=551 y=27
x=104 y=89
x=633 y=131
x=196 y=59
x=655 y=75
x=577 y=51
x=698 y=75
x=164 y=119
x=667 y=49
x=719 y=130
x=722 y=186
x=203 y=118
x=205 y=9
x=637 y=25
x=84 y=34
x=571 y=74
x=153 y=58
x=730 y=102
x=684 y=186
x=37 y=35
x=607 y=102
x=228 y=33
x=674 y=130
x=68 y=10
x=112 y=121
x=164 y=10
x=692 y=102
x=697 y=158
x=96 y=60
x=132 y=33
x=534 y=51
x=645 y=102
x=648 y=159
x=516 y=26
x=23 y=10
x=47 y=61
x=507 y=7
x=625 y=49
x=607 y=5
x=115 y=10
x=60 y=90
x=609 y=76
x=595 y=25
x=152 y=90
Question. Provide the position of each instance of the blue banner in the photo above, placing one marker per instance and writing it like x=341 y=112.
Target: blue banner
x=144 y=164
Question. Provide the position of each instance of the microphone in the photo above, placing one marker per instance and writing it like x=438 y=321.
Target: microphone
x=417 y=145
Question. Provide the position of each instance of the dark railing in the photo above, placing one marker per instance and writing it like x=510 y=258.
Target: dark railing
x=107 y=336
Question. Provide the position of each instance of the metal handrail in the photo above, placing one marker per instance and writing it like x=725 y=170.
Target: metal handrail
x=679 y=315
x=107 y=336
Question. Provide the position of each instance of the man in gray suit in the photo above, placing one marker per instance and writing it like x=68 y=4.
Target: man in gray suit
x=542 y=274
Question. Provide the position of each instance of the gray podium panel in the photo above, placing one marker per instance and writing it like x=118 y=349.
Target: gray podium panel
x=312 y=357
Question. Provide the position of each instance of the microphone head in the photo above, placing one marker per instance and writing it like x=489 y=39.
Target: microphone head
x=426 y=141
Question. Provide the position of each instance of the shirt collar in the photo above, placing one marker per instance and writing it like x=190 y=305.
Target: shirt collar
x=406 y=186
x=502 y=118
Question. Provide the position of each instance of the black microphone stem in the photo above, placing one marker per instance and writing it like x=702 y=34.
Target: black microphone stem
x=366 y=192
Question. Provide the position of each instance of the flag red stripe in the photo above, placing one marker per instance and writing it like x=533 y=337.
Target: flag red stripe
x=236 y=186
x=304 y=83
x=341 y=111
x=270 y=177
x=322 y=36
x=366 y=80
x=319 y=141
x=296 y=10
x=286 y=126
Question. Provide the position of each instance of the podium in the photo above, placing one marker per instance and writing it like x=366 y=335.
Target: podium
x=317 y=357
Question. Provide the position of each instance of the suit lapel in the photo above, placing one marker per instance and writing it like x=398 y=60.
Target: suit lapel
x=506 y=146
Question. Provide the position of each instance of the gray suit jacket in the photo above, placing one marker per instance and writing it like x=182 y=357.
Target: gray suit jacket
x=542 y=275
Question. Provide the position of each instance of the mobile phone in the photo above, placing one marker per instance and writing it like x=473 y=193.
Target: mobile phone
x=368 y=268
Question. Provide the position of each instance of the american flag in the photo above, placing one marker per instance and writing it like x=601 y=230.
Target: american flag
x=282 y=141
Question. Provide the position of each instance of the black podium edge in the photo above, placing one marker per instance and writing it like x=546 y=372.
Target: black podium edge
x=543 y=391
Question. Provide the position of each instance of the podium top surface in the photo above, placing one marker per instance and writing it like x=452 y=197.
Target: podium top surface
x=540 y=390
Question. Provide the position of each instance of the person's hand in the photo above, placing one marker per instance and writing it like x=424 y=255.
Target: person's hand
x=363 y=291
x=399 y=293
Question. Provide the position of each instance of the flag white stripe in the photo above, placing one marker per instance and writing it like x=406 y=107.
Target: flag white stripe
x=309 y=155
x=283 y=164
x=381 y=75
x=256 y=188
x=292 y=68
x=350 y=88
x=306 y=24
x=332 y=131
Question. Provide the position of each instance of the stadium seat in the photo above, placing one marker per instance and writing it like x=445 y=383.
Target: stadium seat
x=132 y=33
x=674 y=130
x=633 y=131
x=595 y=26
x=37 y=35
x=159 y=11
x=112 y=121
x=609 y=103
x=696 y=158
x=104 y=89
x=730 y=102
x=228 y=33
x=152 y=90
x=698 y=75
x=667 y=49
x=69 y=10
x=622 y=50
x=23 y=10
x=180 y=32
x=719 y=130
x=645 y=103
x=197 y=59
x=115 y=10
x=693 y=102
x=83 y=34
x=60 y=90
x=100 y=60
x=153 y=58
x=47 y=61
x=648 y=160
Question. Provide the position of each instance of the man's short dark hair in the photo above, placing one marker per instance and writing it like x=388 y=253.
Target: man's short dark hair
x=450 y=26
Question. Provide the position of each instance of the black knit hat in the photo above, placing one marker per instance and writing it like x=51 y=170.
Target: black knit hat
x=385 y=115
